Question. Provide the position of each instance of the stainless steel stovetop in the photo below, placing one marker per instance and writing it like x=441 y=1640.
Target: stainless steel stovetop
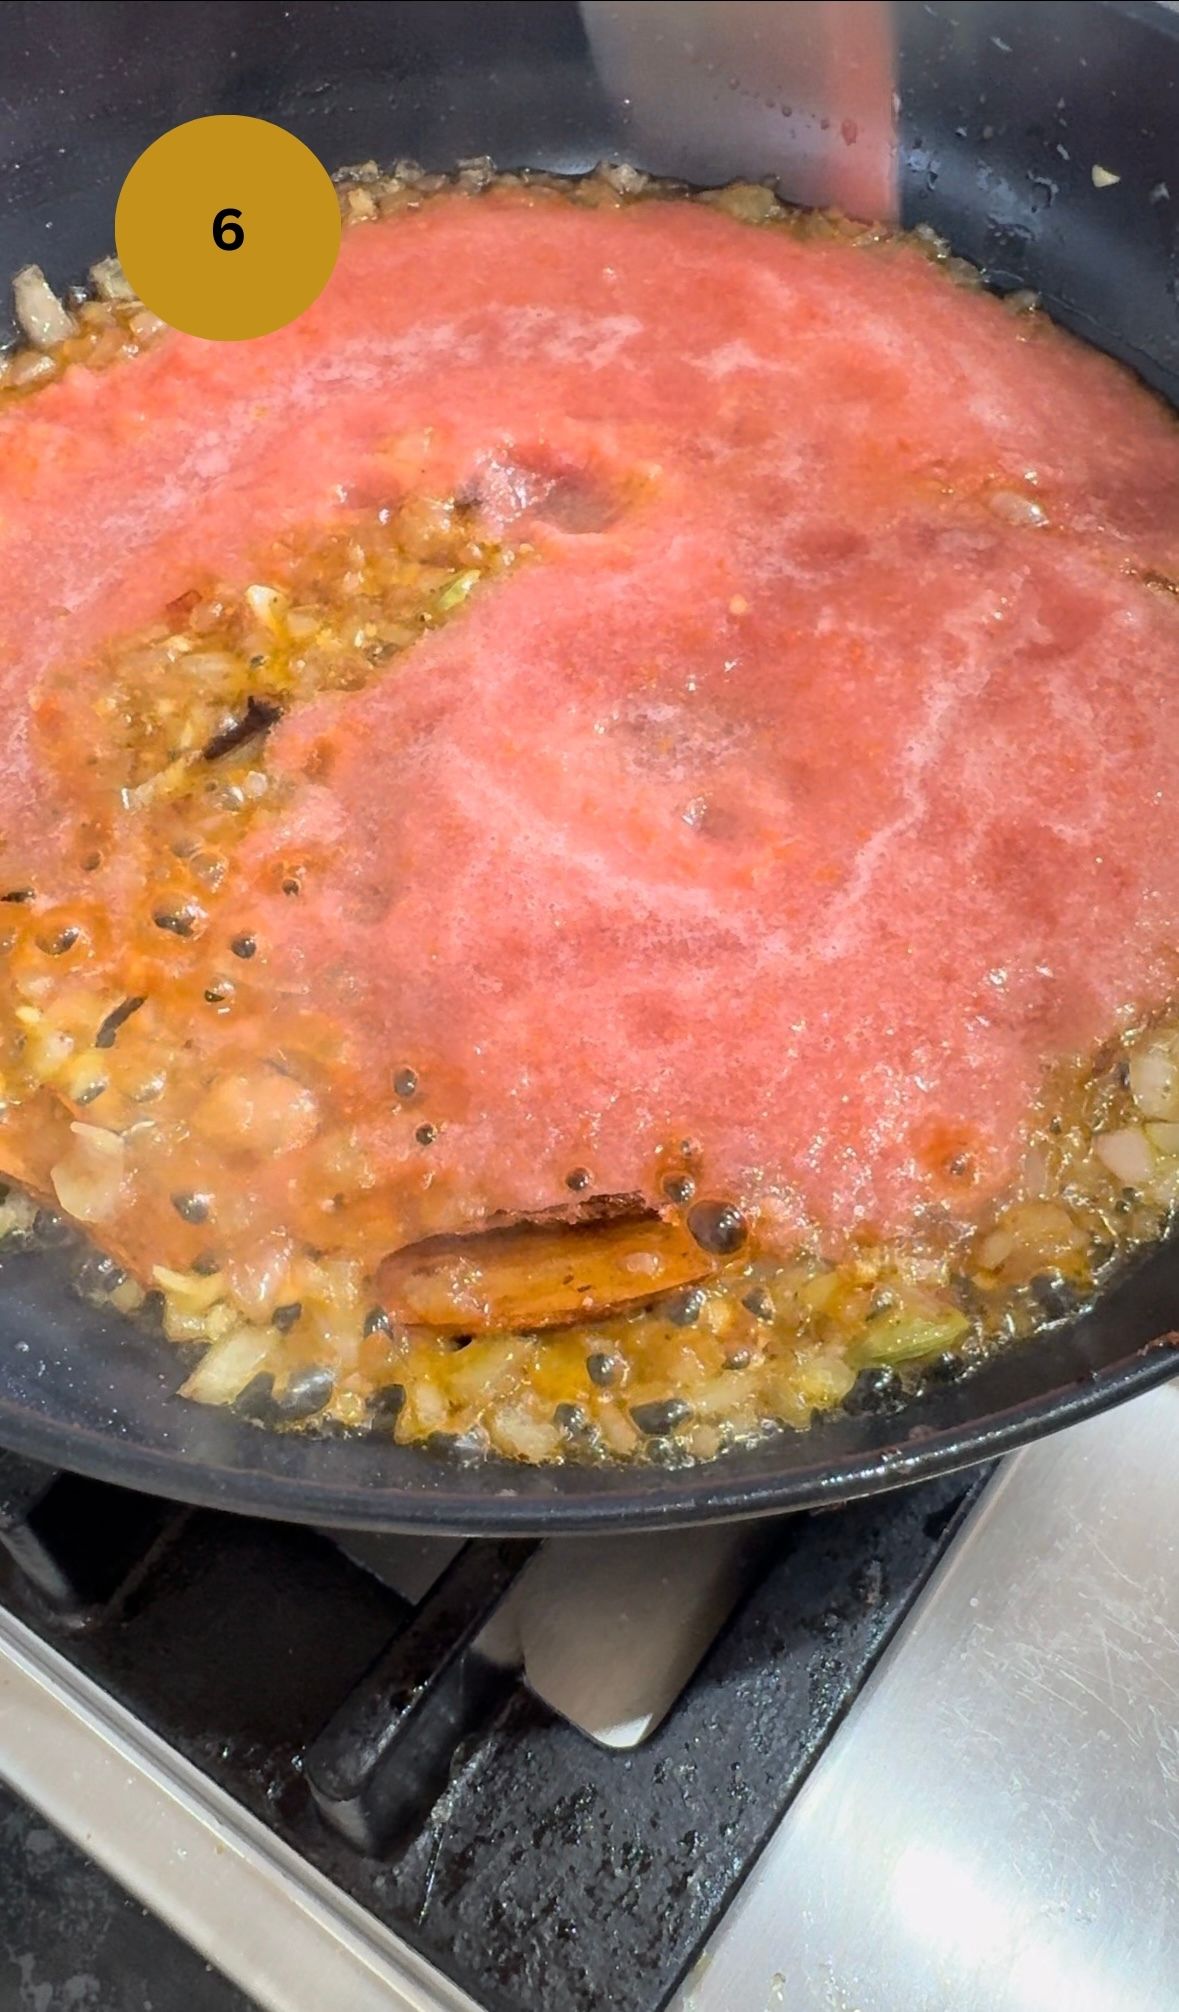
x=990 y=1824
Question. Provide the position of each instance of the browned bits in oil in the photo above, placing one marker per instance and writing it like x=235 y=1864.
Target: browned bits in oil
x=255 y=719
x=105 y=1037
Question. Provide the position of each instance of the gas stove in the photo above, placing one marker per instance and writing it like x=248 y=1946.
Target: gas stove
x=912 y=1755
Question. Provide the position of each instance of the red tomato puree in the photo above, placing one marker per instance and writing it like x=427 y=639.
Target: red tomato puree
x=809 y=786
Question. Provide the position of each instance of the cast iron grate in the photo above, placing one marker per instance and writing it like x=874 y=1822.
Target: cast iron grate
x=531 y=1865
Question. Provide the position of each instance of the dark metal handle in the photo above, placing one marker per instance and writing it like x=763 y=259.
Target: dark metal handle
x=386 y=1756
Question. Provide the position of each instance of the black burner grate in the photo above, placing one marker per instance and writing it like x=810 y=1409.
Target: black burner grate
x=533 y=1866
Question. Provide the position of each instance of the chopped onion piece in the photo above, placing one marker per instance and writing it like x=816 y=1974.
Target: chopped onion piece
x=28 y=368
x=1154 y=1081
x=257 y=1275
x=225 y=1369
x=197 y=1290
x=1128 y=1155
x=266 y=603
x=518 y=1433
x=995 y=1249
x=260 y=1111
x=41 y=315
x=1037 y=1173
x=1165 y=1189
x=110 y=282
x=88 y=1180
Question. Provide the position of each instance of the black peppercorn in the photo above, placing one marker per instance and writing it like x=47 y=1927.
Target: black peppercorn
x=718 y=1227
x=657 y=1419
x=191 y=1208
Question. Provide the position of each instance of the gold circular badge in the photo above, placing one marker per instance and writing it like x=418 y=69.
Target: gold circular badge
x=227 y=227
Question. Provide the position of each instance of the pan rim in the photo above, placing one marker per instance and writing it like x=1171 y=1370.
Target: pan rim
x=704 y=1493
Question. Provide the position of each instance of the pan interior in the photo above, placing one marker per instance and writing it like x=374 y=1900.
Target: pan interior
x=1013 y=191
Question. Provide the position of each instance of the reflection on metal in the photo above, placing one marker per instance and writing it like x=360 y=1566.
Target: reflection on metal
x=805 y=90
x=407 y=1564
x=252 y=1906
x=605 y=1634
x=996 y=1827
x=611 y=1633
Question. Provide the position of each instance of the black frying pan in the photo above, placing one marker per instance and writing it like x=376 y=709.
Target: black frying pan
x=1005 y=110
